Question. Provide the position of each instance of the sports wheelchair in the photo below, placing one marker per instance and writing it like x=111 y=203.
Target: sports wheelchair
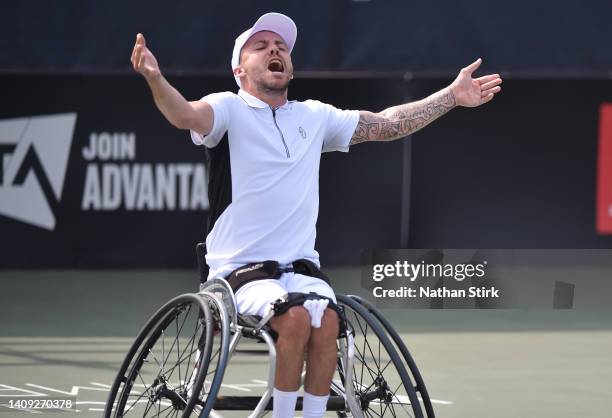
x=176 y=365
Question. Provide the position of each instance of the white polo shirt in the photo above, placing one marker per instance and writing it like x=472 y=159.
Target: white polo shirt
x=274 y=158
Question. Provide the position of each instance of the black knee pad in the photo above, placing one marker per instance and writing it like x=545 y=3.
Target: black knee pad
x=297 y=299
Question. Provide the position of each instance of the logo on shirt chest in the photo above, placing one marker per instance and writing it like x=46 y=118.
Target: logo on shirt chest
x=302 y=132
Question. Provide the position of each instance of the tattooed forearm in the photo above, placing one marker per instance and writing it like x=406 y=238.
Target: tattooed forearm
x=400 y=121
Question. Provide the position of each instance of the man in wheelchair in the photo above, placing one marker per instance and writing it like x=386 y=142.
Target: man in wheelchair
x=264 y=154
x=305 y=317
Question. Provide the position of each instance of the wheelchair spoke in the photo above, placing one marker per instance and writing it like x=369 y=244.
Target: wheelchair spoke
x=190 y=345
x=373 y=373
x=178 y=350
x=181 y=357
x=362 y=353
x=144 y=384
x=399 y=402
x=164 y=410
x=165 y=360
x=155 y=358
x=131 y=406
x=372 y=413
x=139 y=395
x=360 y=356
x=178 y=333
x=384 y=368
x=188 y=357
x=212 y=358
x=380 y=382
x=148 y=407
x=395 y=396
x=180 y=354
x=172 y=411
x=372 y=353
x=365 y=340
x=136 y=402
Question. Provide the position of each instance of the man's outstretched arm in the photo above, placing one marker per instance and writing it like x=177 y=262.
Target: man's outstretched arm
x=403 y=120
x=197 y=115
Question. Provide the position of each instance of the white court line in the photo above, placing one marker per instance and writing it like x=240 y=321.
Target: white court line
x=237 y=387
x=20 y=392
x=103 y=385
x=261 y=382
x=441 y=402
x=73 y=392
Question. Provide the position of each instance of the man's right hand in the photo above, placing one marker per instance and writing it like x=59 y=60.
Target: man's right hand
x=197 y=116
x=143 y=60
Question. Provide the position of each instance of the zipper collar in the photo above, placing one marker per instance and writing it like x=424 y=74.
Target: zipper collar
x=253 y=101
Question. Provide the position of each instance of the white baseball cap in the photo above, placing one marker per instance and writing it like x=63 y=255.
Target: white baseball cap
x=273 y=22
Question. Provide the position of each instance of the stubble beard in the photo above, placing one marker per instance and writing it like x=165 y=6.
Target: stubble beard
x=273 y=88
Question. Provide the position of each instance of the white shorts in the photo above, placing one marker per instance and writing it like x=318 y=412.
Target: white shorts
x=255 y=298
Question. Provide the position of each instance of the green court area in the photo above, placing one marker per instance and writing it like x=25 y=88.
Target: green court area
x=65 y=333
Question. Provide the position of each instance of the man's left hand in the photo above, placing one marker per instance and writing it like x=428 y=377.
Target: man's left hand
x=472 y=92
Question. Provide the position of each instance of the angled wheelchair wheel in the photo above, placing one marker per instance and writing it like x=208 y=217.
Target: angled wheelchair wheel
x=167 y=364
x=381 y=384
x=405 y=353
x=216 y=358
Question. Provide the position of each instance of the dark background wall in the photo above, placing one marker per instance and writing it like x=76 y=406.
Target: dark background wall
x=517 y=173
x=543 y=37
x=357 y=189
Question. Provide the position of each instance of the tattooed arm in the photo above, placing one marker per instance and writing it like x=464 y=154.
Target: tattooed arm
x=400 y=121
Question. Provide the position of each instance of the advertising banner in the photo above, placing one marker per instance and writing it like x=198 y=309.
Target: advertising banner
x=604 y=171
x=93 y=176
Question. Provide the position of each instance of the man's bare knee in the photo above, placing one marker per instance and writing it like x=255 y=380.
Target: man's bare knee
x=329 y=327
x=293 y=324
x=322 y=354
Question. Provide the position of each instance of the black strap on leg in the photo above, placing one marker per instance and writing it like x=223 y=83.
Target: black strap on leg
x=297 y=299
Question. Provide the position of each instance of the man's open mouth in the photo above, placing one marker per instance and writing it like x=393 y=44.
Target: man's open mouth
x=276 y=66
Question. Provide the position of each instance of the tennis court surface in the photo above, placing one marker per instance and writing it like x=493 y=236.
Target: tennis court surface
x=63 y=334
